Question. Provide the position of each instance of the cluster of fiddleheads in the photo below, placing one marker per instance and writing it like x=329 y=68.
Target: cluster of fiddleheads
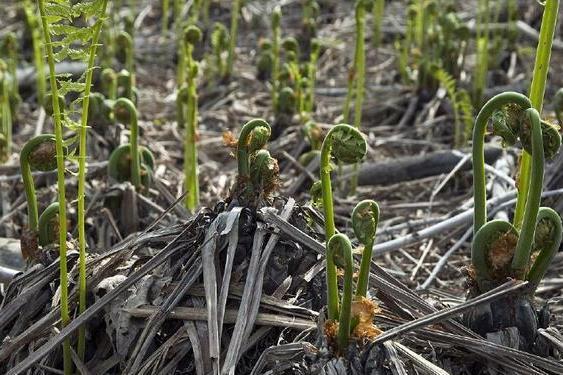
x=257 y=170
x=434 y=39
x=514 y=118
x=501 y=250
x=345 y=144
x=219 y=46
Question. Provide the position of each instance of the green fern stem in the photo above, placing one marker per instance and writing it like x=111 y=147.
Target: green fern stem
x=191 y=182
x=38 y=52
x=365 y=218
x=65 y=316
x=339 y=248
x=276 y=41
x=233 y=33
x=6 y=115
x=165 y=7
x=348 y=146
x=378 y=11
x=130 y=114
x=525 y=239
x=360 y=70
x=537 y=90
x=82 y=155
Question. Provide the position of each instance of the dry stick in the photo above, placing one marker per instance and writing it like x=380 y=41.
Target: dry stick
x=250 y=300
x=230 y=317
x=419 y=361
x=222 y=225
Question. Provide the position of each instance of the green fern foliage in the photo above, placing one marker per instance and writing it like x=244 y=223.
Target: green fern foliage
x=461 y=104
x=72 y=29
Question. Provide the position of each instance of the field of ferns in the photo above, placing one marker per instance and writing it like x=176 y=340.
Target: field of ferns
x=327 y=187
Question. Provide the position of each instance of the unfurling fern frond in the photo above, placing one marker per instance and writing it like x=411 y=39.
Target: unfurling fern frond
x=71 y=31
x=461 y=104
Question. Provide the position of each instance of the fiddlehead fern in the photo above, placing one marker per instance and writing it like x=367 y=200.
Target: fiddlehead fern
x=219 y=44
x=126 y=54
x=520 y=103
x=499 y=250
x=537 y=90
x=264 y=172
x=347 y=145
x=365 y=218
x=546 y=241
x=125 y=87
x=253 y=136
x=192 y=35
x=109 y=83
x=129 y=161
x=339 y=252
x=49 y=224
x=558 y=106
x=265 y=60
x=39 y=154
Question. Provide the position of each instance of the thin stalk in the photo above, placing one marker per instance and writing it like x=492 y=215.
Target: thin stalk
x=276 y=40
x=339 y=246
x=6 y=113
x=537 y=90
x=360 y=71
x=233 y=33
x=331 y=278
x=190 y=150
x=83 y=133
x=65 y=316
x=165 y=8
x=37 y=52
x=378 y=11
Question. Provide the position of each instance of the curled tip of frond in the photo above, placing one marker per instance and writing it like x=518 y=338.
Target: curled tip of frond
x=192 y=35
x=365 y=218
x=48 y=105
x=40 y=152
x=276 y=16
x=315 y=46
x=287 y=101
x=290 y=44
x=339 y=246
x=265 y=44
x=348 y=144
x=558 y=100
x=124 y=40
x=49 y=224
x=492 y=252
x=124 y=110
x=264 y=172
x=108 y=75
